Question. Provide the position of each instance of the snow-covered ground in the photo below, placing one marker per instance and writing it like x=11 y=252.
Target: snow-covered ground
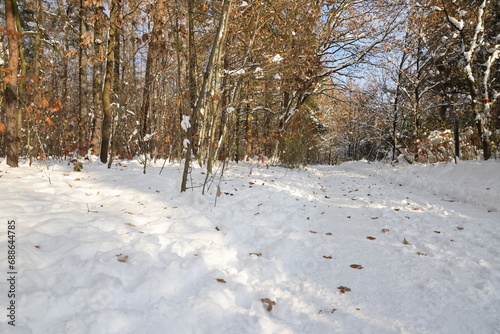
x=354 y=248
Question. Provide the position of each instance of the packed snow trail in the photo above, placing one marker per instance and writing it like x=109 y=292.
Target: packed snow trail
x=355 y=248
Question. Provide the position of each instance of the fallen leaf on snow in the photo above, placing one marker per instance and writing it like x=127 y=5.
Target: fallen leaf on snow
x=327 y=257
x=217 y=228
x=130 y=224
x=406 y=242
x=343 y=289
x=370 y=238
x=220 y=280
x=313 y=232
x=323 y=311
x=385 y=230
x=269 y=303
x=374 y=218
x=329 y=233
x=437 y=232
x=420 y=253
x=356 y=266
x=256 y=254
x=122 y=258
x=460 y=228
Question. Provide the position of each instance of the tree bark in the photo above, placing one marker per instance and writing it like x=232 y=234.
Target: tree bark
x=217 y=48
x=83 y=82
x=97 y=79
x=12 y=139
x=115 y=23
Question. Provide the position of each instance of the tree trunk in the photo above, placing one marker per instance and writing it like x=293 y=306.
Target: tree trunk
x=12 y=139
x=97 y=79
x=115 y=23
x=217 y=48
x=83 y=82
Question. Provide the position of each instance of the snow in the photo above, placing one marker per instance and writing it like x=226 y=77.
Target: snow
x=116 y=251
x=185 y=123
x=277 y=58
x=459 y=25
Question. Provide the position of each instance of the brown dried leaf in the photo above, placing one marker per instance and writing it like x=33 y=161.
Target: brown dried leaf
x=356 y=266
x=397 y=209
x=323 y=311
x=460 y=228
x=406 y=242
x=370 y=238
x=437 y=232
x=343 y=289
x=37 y=246
x=329 y=257
x=374 y=218
x=217 y=228
x=313 y=232
x=420 y=253
x=256 y=254
x=385 y=230
x=329 y=233
x=130 y=224
x=122 y=258
x=220 y=280
x=269 y=303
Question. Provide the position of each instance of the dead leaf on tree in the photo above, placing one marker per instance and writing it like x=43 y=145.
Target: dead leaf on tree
x=356 y=266
x=269 y=303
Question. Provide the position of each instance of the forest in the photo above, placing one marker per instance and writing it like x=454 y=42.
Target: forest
x=284 y=82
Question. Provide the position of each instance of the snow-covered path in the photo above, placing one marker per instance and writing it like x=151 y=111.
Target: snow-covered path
x=355 y=248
